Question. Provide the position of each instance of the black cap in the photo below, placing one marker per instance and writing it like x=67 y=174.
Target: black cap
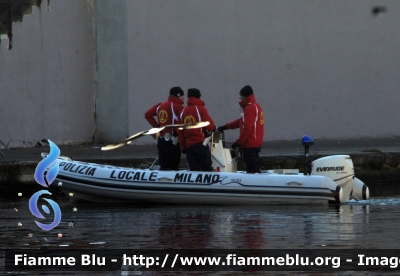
x=176 y=91
x=246 y=91
x=194 y=92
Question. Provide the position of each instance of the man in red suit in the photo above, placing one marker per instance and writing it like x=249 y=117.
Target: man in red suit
x=198 y=154
x=251 y=124
x=169 y=151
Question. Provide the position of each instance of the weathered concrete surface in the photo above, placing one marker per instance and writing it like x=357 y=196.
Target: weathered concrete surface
x=377 y=159
x=87 y=70
x=47 y=79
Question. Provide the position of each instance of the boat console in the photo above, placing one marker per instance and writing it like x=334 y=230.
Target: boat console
x=223 y=160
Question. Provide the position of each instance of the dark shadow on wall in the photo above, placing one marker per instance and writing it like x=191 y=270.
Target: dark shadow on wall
x=13 y=11
x=378 y=10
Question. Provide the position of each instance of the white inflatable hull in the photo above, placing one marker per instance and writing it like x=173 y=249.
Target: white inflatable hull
x=115 y=184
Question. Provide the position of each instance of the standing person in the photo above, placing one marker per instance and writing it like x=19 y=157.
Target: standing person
x=198 y=155
x=251 y=124
x=169 y=151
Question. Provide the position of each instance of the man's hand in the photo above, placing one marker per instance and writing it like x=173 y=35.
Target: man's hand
x=222 y=128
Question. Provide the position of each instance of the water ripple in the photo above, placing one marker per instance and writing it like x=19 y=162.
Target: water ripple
x=375 y=202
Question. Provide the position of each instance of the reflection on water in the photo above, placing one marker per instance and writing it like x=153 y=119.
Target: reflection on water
x=365 y=224
x=384 y=187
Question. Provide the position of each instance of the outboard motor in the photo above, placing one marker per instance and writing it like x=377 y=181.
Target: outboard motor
x=340 y=169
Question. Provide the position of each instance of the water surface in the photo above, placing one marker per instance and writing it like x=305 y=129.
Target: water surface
x=369 y=224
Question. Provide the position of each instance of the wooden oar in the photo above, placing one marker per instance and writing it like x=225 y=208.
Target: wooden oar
x=153 y=131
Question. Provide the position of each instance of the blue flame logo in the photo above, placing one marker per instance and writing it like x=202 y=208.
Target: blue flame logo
x=45 y=173
x=49 y=162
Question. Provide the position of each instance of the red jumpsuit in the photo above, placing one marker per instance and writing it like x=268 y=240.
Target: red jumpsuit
x=198 y=155
x=169 y=152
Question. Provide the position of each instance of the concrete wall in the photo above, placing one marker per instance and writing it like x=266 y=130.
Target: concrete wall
x=328 y=69
x=111 y=70
x=47 y=80
x=87 y=70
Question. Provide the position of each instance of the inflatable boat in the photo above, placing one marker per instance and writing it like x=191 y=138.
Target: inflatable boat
x=326 y=180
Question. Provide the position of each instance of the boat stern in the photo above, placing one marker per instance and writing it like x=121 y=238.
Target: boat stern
x=340 y=169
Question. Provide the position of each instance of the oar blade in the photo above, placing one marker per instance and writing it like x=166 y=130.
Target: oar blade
x=135 y=136
x=123 y=142
x=113 y=146
x=197 y=125
x=189 y=126
x=153 y=131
